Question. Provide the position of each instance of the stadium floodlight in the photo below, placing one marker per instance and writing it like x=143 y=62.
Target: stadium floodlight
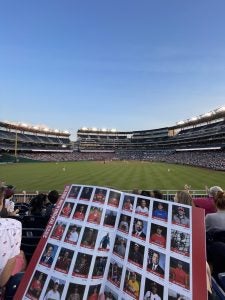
x=46 y=129
x=180 y=123
x=94 y=129
x=113 y=130
x=84 y=128
x=104 y=129
x=221 y=109
x=207 y=114
x=194 y=119
x=56 y=130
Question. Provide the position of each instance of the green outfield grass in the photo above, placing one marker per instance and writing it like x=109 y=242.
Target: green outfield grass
x=43 y=177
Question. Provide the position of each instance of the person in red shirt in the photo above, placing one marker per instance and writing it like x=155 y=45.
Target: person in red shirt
x=80 y=213
x=94 y=295
x=58 y=232
x=94 y=216
x=158 y=238
x=66 y=210
x=179 y=276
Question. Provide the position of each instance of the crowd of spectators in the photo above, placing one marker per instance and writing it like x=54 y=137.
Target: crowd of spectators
x=42 y=206
x=206 y=159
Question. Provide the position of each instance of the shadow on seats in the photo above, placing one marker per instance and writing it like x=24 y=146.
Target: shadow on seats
x=35 y=222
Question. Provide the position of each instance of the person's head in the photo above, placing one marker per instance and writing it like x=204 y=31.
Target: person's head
x=156 y=194
x=74 y=228
x=122 y=241
x=136 y=247
x=49 y=251
x=160 y=206
x=37 y=203
x=155 y=258
x=53 y=196
x=159 y=230
x=56 y=285
x=81 y=208
x=214 y=190
x=154 y=288
x=220 y=201
x=133 y=276
x=143 y=203
x=181 y=211
x=179 y=264
x=145 y=193
x=124 y=218
x=183 y=197
x=66 y=254
x=139 y=225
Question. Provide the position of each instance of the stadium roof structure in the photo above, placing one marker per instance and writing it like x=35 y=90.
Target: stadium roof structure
x=33 y=128
x=215 y=114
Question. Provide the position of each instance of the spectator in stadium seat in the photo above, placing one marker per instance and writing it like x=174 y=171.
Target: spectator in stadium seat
x=208 y=202
x=12 y=259
x=183 y=197
x=37 y=205
x=216 y=221
x=52 y=198
x=156 y=194
x=6 y=205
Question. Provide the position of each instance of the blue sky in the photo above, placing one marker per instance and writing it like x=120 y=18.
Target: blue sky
x=121 y=64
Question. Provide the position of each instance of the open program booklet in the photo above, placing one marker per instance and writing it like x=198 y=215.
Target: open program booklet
x=101 y=243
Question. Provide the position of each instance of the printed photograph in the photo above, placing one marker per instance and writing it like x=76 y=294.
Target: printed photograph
x=120 y=246
x=58 y=230
x=128 y=203
x=89 y=237
x=74 y=192
x=95 y=215
x=179 y=272
x=180 y=242
x=114 y=199
x=156 y=262
x=36 y=286
x=110 y=218
x=75 y=291
x=100 y=195
x=160 y=211
x=132 y=283
x=49 y=255
x=54 y=289
x=93 y=293
x=80 y=212
x=82 y=265
x=64 y=260
x=72 y=234
x=115 y=272
x=86 y=193
x=142 y=207
x=158 y=235
x=99 y=267
x=172 y=295
x=181 y=216
x=109 y=294
x=67 y=209
x=124 y=223
x=105 y=241
x=139 y=229
x=136 y=254
x=153 y=290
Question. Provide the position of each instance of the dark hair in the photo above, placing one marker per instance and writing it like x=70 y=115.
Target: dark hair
x=37 y=203
x=157 y=194
x=145 y=193
x=53 y=196
x=220 y=200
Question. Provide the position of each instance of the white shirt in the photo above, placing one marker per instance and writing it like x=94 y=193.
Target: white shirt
x=140 y=209
x=150 y=296
x=10 y=240
x=52 y=295
x=215 y=221
x=73 y=237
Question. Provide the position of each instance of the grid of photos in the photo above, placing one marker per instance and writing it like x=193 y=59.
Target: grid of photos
x=117 y=245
